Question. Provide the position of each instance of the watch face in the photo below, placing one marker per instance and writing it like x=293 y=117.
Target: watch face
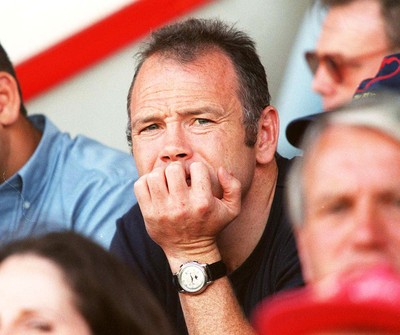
x=192 y=278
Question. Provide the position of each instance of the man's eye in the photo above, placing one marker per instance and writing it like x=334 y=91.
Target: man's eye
x=39 y=326
x=202 y=121
x=149 y=128
x=394 y=201
x=335 y=208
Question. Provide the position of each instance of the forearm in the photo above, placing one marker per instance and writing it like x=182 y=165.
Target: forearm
x=215 y=311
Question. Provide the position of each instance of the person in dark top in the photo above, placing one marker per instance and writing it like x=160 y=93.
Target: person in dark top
x=209 y=234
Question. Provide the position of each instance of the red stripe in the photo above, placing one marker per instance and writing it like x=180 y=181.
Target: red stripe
x=96 y=42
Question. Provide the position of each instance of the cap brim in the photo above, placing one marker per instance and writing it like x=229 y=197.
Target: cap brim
x=297 y=127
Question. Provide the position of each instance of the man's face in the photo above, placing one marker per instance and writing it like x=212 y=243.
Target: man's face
x=352 y=42
x=190 y=113
x=352 y=203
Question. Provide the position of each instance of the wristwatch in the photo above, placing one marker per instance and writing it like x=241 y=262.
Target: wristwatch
x=193 y=277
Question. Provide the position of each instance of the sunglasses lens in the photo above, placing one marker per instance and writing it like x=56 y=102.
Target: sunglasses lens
x=314 y=61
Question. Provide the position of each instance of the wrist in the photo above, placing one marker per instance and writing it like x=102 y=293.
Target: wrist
x=203 y=255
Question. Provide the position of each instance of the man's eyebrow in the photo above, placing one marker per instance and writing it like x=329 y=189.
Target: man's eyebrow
x=328 y=197
x=153 y=117
x=201 y=111
x=26 y=313
x=215 y=110
x=145 y=119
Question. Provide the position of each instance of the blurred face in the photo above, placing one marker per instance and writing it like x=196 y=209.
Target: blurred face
x=190 y=113
x=34 y=299
x=352 y=204
x=350 y=49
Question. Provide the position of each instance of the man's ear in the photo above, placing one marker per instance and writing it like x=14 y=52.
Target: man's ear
x=267 y=137
x=10 y=100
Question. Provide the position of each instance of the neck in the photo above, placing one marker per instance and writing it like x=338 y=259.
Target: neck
x=22 y=140
x=246 y=230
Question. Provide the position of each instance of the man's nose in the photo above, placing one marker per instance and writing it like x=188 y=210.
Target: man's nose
x=322 y=82
x=176 y=145
x=369 y=227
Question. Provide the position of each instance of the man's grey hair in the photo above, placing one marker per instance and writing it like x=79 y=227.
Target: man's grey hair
x=380 y=113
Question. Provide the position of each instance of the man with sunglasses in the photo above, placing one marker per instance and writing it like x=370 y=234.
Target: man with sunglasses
x=355 y=36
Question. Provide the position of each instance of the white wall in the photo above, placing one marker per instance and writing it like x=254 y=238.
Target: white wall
x=94 y=102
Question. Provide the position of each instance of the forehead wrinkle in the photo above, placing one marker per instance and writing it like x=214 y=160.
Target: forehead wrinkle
x=182 y=103
x=208 y=65
x=162 y=96
x=184 y=111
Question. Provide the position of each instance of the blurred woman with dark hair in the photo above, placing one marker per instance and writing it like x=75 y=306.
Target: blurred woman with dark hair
x=62 y=283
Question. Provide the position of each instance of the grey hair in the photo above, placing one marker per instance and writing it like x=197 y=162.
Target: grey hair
x=380 y=113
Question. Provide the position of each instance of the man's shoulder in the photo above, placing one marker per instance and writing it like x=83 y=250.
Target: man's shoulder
x=131 y=241
x=134 y=214
x=87 y=159
x=92 y=155
x=131 y=225
x=83 y=171
x=83 y=153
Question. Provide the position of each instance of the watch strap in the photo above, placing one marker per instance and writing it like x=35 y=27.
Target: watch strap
x=216 y=270
x=175 y=281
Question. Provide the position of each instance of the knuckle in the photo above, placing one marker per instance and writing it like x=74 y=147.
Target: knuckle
x=155 y=175
x=202 y=205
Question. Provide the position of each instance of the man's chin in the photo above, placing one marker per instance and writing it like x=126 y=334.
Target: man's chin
x=331 y=104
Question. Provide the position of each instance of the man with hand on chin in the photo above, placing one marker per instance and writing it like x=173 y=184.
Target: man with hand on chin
x=210 y=235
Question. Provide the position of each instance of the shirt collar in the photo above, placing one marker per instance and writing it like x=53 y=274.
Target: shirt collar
x=34 y=173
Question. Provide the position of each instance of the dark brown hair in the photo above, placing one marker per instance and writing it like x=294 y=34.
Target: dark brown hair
x=110 y=297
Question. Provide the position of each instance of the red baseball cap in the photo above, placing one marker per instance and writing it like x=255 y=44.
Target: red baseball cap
x=366 y=302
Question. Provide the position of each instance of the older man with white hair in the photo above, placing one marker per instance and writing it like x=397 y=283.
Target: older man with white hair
x=344 y=203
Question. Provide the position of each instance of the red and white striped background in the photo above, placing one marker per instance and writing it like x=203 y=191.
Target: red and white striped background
x=75 y=34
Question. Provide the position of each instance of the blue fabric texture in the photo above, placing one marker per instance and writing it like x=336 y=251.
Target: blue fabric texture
x=387 y=78
x=68 y=184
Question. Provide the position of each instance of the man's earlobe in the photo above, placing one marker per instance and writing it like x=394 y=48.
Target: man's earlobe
x=10 y=100
x=268 y=133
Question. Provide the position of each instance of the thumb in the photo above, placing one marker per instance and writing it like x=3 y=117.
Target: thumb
x=231 y=188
